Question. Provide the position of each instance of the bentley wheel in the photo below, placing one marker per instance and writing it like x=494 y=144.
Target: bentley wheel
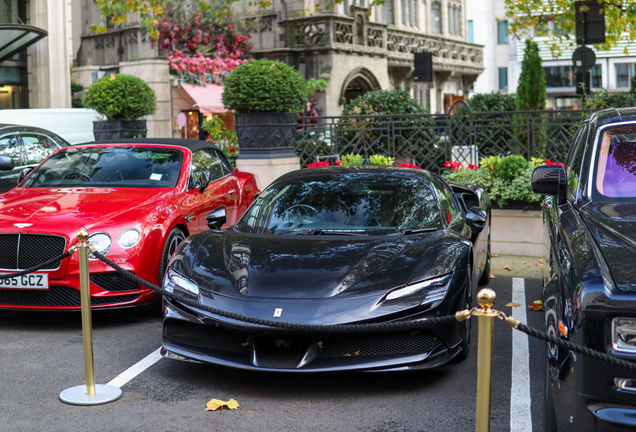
x=172 y=243
x=549 y=415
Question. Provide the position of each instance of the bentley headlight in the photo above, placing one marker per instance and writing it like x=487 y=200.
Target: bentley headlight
x=174 y=282
x=624 y=334
x=427 y=292
x=101 y=242
x=128 y=238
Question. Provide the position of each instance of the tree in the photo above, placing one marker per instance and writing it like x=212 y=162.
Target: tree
x=524 y=16
x=531 y=92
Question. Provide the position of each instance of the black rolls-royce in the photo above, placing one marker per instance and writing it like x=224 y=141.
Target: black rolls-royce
x=590 y=274
x=334 y=245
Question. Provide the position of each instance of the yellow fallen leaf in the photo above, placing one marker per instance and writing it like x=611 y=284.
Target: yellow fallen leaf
x=541 y=261
x=507 y=268
x=494 y=255
x=215 y=404
x=513 y=304
x=251 y=412
x=536 y=305
x=112 y=77
x=492 y=276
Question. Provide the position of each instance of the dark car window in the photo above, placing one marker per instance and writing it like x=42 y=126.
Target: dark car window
x=365 y=203
x=575 y=159
x=615 y=175
x=9 y=146
x=210 y=159
x=448 y=206
x=37 y=147
x=132 y=167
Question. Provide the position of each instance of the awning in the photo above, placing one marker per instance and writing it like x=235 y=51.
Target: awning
x=207 y=99
x=16 y=37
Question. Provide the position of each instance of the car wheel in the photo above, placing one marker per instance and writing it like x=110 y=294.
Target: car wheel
x=485 y=276
x=172 y=243
x=466 y=326
x=549 y=414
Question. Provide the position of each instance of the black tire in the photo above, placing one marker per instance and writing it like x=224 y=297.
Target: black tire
x=173 y=241
x=549 y=414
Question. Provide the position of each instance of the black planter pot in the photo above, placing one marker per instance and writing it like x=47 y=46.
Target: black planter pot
x=266 y=135
x=118 y=129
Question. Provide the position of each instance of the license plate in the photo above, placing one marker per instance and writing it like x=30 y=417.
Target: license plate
x=34 y=281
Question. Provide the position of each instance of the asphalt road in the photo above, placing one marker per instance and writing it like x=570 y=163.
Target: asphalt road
x=41 y=355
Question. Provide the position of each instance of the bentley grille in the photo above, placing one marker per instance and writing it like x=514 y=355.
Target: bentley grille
x=23 y=251
x=57 y=295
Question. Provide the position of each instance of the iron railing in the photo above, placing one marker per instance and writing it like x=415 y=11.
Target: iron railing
x=429 y=140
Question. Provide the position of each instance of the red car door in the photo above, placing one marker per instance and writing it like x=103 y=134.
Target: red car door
x=222 y=189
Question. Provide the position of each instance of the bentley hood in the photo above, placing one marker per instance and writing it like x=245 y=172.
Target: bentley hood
x=613 y=226
x=302 y=266
x=80 y=207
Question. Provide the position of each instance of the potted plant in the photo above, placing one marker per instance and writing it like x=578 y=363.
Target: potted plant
x=266 y=97
x=122 y=99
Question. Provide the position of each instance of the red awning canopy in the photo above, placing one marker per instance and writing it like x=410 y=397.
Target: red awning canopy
x=207 y=99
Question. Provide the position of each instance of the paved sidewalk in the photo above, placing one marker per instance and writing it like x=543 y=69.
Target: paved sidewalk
x=522 y=266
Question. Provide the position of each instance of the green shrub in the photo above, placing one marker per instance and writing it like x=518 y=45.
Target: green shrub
x=604 y=99
x=412 y=135
x=224 y=139
x=492 y=102
x=121 y=97
x=351 y=159
x=491 y=132
x=511 y=166
x=531 y=91
x=265 y=86
x=378 y=159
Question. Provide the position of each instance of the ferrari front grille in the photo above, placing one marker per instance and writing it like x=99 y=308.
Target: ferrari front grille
x=56 y=296
x=23 y=251
x=205 y=336
x=378 y=344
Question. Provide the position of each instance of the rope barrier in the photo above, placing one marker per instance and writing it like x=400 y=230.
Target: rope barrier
x=310 y=328
x=39 y=266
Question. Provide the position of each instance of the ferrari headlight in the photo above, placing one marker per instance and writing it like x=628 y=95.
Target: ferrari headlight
x=101 y=242
x=173 y=281
x=624 y=334
x=430 y=291
x=128 y=238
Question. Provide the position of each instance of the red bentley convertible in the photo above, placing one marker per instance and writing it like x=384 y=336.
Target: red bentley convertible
x=138 y=199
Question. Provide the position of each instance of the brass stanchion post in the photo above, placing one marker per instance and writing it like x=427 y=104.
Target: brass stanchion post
x=91 y=393
x=486 y=298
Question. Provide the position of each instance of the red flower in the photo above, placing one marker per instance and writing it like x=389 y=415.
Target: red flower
x=408 y=165
x=473 y=167
x=549 y=162
x=232 y=150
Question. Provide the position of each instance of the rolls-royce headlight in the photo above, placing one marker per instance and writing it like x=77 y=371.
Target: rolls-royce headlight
x=174 y=282
x=427 y=292
x=101 y=242
x=128 y=238
x=624 y=334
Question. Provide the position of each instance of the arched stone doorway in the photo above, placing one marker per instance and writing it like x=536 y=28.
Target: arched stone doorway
x=358 y=82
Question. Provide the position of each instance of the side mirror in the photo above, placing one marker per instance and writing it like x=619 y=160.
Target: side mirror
x=204 y=180
x=6 y=164
x=216 y=218
x=550 y=180
x=25 y=172
x=476 y=218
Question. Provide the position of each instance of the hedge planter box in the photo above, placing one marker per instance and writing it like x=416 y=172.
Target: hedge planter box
x=516 y=232
x=119 y=129
x=266 y=135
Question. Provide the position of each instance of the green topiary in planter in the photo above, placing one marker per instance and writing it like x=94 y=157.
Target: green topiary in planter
x=122 y=99
x=266 y=97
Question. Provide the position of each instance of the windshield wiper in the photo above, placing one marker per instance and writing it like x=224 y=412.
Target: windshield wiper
x=321 y=232
x=412 y=231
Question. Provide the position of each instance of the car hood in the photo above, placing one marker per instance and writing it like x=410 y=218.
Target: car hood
x=80 y=207
x=302 y=266
x=613 y=226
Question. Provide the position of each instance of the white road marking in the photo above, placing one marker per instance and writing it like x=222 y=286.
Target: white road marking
x=136 y=369
x=520 y=413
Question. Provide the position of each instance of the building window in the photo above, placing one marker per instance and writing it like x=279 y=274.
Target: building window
x=451 y=20
x=423 y=15
x=387 y=12
x=471 y=35
x=565 y=76
x=503 y=78
x=624 y=74
x=596 y=76
x=502 y=32
x=436 y=17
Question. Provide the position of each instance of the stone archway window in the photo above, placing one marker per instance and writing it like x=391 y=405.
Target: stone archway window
x=357 y=83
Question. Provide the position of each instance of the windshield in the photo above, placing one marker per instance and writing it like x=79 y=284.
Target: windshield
x=132 y=167
x=616 y=168
x=359 y=203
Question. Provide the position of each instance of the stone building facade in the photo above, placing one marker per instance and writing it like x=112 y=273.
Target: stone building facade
x=357 y=48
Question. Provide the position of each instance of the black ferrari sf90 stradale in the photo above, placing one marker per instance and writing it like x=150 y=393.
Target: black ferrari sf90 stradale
x=338 y=245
